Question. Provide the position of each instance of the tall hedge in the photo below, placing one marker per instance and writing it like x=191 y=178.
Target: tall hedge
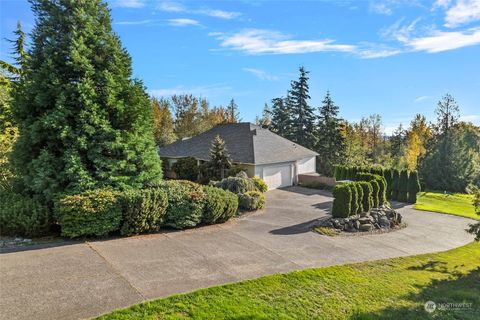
x=359 y=197
x=403 y=186
x=413 y=186
x=342 y=199
x=367 y=199
x=354 y=202
x=395 y=180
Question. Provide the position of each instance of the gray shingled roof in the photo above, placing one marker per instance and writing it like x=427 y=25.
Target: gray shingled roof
x=246 y=143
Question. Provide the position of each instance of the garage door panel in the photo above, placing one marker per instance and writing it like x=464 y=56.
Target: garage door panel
x=277 y=176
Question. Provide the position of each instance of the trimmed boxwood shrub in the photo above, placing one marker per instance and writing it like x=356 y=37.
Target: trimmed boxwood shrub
x=395 y=180
x=91 y=213
x=403 y=186
x=342 y=199
x=186 y=169
x=22 y=216
x=220 y=205
x=239 y=184
x=367 y=199
x=231 y=208
x=143 y=210
x=413 y=186
x=251 y=200
x=185 y=204
x=354 y=202
x=260 y=184
x=359 y=197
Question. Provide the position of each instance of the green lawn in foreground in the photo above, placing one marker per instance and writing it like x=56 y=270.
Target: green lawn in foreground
x=386 y=289
x=458 y=204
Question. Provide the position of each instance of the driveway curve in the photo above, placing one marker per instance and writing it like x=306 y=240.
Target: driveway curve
x=82 y=280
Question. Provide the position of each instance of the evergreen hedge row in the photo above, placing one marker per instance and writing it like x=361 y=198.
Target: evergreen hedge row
x=413 y=186
x=403 y=186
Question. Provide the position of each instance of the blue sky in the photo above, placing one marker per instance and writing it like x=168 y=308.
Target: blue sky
x=391 y=57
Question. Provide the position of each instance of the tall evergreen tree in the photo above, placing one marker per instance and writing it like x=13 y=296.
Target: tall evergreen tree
x=303 y=116
x=331 y=143
x=233 y=116
x=265 y=121
x=84 y=122
x=281 y=118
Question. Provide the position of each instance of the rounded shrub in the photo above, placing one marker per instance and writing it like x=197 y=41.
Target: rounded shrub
x=260 y=184
x=413 y=186
x=367 y=199
x=22 y=216
x=91 y=213
x=186 y=169
x=342 y=199
x=231 y=207
x=215 y=204
x=375 y=192
x=354 y=201
x=239 y=184
x=251 y=200
x=185 y=204
x=403 y=186
x=359 y=197
x=143 y=210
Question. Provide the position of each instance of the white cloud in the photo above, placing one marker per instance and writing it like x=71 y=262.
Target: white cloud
x=213 y=90
x=263 y=75
x=421 y=98
x=439 y=41
x=381 y=8
x=441 y=4
x=259 y=41
x=179 y=8
x=139 y=22
x=464 y=11
x=129 y=3
x=182 y=22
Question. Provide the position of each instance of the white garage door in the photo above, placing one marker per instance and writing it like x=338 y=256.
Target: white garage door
x=278 y=176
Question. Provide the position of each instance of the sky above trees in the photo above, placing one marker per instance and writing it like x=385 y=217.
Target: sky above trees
x=392 y=57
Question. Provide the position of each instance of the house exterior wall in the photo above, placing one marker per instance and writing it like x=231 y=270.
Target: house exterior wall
x=307 y=165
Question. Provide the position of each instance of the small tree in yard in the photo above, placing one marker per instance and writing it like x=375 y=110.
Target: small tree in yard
x=219 y=158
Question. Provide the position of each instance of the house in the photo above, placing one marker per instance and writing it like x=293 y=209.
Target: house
x=258 y=151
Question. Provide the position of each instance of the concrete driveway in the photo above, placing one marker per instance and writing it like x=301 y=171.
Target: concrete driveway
x=82 y=280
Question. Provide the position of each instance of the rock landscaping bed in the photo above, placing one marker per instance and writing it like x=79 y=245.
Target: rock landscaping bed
x=381 y=219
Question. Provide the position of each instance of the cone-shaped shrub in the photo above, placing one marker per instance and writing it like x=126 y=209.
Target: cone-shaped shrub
x=359 y=197
x=413 y=186
x=382 y=191
x=387 y=174
x=395 y=180
x=354 y=202
x=342 y=199
x=403 y=186
x=367 y=199
x=375 y=192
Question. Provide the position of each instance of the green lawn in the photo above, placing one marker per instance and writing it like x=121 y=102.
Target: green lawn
x=386 y=289
x=454 y=203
